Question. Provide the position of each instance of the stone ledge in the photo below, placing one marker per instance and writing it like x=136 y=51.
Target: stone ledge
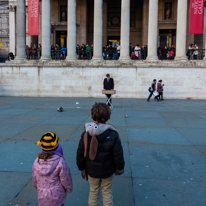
x=107 y=63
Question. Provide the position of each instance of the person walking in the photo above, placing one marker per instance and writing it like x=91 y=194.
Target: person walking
x=100 y=155
x=152 y=90
x=160 y=89
x=51 y=176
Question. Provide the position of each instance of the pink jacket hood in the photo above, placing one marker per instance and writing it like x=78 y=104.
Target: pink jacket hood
x=47 y=167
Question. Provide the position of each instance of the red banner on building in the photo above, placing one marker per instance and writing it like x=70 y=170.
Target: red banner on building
x=33 y=17
x=196 y=16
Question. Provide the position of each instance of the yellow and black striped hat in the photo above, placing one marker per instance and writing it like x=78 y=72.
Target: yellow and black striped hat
x=49 y=142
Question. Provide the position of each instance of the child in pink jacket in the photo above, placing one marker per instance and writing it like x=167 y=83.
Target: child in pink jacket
x=51 y=176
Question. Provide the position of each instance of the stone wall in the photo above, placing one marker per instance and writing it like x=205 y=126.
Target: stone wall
x=130 y=82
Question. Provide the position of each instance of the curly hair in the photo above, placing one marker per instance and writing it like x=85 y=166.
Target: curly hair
x=100 y=112
x=44 y=156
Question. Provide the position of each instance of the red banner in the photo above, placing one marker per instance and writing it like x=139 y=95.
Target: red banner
x=33 y=17
x=196 y=16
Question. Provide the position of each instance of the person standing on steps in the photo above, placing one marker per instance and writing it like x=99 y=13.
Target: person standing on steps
x=152 y=90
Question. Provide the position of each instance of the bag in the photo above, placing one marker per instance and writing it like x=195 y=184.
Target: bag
x=155 y=93
x=149 y=89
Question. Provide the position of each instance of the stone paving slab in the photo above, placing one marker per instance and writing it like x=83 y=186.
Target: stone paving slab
x=6 y=116
x=157 y=136
x=14 y=111
x=18 y=156
x=150 y=192
x=26 y=119
x=34 y=133
x=10 y=130
x=167 y=162
x=65 y=119
x=12 y=183
x=183 y=119
x=146 y=122
x=163 y=142
x=197 y=136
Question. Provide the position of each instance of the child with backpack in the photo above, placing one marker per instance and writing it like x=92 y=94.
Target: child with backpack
x=100 y=155
x=51 y=176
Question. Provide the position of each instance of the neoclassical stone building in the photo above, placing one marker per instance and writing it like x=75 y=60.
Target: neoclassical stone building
x=100 y=22
x=111 y=19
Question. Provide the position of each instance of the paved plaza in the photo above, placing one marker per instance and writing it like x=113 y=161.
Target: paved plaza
x=164 y=148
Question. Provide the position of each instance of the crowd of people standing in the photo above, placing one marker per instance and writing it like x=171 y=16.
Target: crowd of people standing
x=193 y=52
x=109 y=52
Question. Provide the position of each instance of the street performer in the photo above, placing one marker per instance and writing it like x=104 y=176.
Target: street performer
x=108 y=85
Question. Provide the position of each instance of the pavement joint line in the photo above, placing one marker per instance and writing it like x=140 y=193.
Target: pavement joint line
x=20 y=190
x=4 y=171
x=196 y=146
x=172 y=180
x=128 y=143
x=24 y=130
x=78 y=128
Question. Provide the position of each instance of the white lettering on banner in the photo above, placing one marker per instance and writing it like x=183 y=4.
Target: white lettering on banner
x=198 y=6
x=34 y=8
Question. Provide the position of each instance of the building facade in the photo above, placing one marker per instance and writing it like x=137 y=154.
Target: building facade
x=4 y=29
x=137 y=21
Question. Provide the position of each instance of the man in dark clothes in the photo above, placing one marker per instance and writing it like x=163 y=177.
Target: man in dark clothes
x=108 y=85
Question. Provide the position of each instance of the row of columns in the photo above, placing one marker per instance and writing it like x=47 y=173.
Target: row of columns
x=98 y=30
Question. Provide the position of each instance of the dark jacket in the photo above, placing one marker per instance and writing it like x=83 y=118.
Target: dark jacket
x=110 y=85
x=153 y=87
x=109 y=155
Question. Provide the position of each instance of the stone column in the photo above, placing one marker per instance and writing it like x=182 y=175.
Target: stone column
x=21 y=30
x=12 y=30
x=204 y=35
x=152 y=30
x=145 y=14
x=83 y=22
x=98 y=29
x=181 y=30
x=125 y=30
x=71 y=30
x=104 y=22
x=46 y=30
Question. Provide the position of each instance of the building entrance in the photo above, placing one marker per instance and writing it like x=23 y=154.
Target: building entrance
x=61 y=38
x=113 y=40
x=167 y=37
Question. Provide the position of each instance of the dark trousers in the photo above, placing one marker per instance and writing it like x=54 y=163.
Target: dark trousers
x=160 y=95
x=108 y=96
x=150 y=95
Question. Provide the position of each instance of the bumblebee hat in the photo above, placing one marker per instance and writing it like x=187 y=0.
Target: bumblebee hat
x=49 y=143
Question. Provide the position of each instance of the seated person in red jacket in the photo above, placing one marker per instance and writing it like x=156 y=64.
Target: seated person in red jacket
x=100 y=155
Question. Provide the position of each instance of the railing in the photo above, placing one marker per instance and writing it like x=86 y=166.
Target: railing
x=195 y=54
x=58 y=54
x=139 y=55
x=84 y=55
x=162 y=54
x=166 y=54
x=33 y=54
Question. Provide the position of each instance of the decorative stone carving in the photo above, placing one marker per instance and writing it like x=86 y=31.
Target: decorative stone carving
x=113 y=20
x=63 y=13
x=168 y=10
x=12 y=8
